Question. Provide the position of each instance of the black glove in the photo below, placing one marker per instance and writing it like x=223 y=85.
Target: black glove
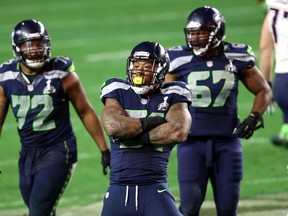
x=142 y=139
x=246 y=128
x=105 y=160
x=149 y=123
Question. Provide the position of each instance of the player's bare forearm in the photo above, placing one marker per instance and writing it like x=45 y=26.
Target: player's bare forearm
x=176 y=129
x=3 y=107
x=93 y=126
x=255 y=82
x=116 y=123
x=262 y=101
x=3 y=113
x=266 y=51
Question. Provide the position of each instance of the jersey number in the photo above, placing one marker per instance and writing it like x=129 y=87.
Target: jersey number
x=201 y=94
x=274 y=20
x=25 y=104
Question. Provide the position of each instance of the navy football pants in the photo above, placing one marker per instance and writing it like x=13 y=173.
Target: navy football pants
x=280 y=94
x=42 y=191
x=147 y=200
x=219 y=161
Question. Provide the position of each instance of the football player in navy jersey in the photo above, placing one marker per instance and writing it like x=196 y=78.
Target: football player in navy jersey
x=212 y=69
x=144 y=117
x=39 y=89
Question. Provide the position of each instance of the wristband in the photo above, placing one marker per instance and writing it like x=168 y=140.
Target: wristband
x=149 y=123
x=142 y=139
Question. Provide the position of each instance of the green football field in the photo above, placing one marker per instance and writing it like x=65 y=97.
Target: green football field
x=98 y=35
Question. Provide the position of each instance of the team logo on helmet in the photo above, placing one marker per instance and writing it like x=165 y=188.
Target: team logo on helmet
x=141 y=55
x=218 y=18
x=193 y=24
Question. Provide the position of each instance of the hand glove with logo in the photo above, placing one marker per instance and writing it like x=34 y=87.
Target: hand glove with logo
x=105 y=160
x=246 y=128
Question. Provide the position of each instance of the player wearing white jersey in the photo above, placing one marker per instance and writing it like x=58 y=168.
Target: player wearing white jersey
x=274 y=38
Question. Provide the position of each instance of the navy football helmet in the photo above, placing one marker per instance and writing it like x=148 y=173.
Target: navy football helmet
x=158 y=56
x=24 y=33
x=205 y=18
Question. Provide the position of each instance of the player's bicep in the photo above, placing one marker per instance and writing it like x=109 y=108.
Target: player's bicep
x=179 y=117
x=112 y=109
x=254 y=81
x=76 y=94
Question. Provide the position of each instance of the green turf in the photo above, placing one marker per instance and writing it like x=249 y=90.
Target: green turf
x=98 y=35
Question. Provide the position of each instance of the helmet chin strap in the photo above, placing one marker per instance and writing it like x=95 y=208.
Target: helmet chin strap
x=33 y=64
x=143 y=89
x=200 y=52
x=203 y=51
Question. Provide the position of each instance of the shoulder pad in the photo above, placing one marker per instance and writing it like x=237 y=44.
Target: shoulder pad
x=10 y=65
x=241 y=52
x=113 y=84
x=63 y=63
x=177 y=87
x=238 y=48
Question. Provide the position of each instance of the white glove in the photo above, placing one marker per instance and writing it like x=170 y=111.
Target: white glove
x=271 y=107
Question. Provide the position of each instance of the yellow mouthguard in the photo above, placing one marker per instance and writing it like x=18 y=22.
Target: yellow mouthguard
x=138 y=80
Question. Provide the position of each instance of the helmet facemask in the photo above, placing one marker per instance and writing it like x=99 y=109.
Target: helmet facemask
x=34 y=53
x=143 y=74
x=147 y=66
x=201 y=43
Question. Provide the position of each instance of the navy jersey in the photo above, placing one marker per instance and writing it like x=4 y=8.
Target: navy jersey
x=138 y=164
x=214 y=85
x=41 y=107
